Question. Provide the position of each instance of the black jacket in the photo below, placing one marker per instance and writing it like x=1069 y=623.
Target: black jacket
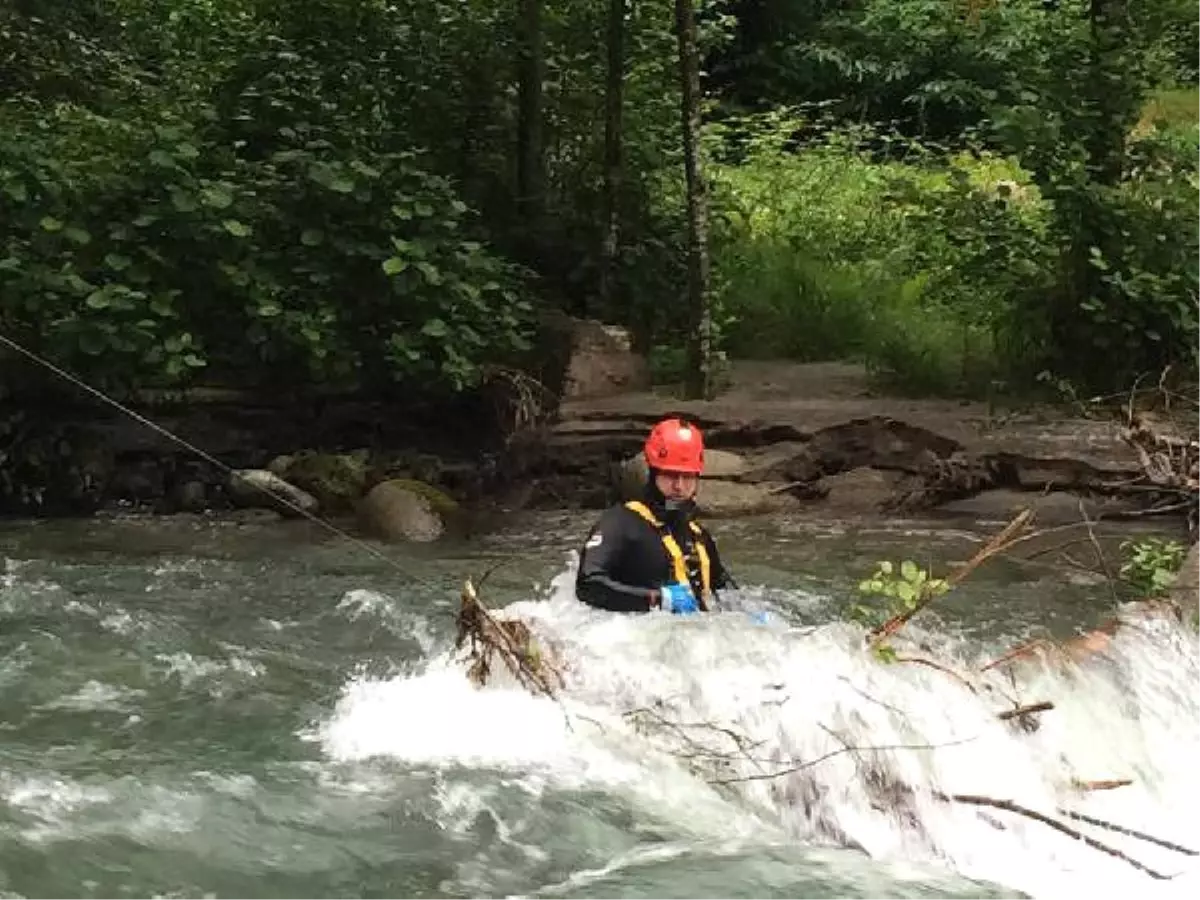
x=623 y=559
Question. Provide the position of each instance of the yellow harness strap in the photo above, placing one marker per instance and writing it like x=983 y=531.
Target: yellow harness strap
x=673 y=549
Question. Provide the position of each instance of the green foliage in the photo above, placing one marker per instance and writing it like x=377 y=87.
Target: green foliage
x=1151 y=564
x=1023 y=211
x=259 y=228
x=902 y=589
x=913 y=263
x=143 y=255
x=298 y=190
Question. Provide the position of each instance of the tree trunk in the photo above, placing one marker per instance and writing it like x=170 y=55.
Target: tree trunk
x=613 y=103
x=530 y=154
x=698 y=381
x=1106 y=146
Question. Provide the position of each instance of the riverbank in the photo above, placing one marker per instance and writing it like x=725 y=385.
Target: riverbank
x=806 y=439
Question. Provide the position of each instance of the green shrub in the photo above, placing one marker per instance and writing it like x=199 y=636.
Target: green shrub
x=914 y=266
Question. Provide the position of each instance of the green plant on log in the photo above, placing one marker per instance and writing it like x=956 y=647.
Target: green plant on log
x=902 y=588
x=1151 y=564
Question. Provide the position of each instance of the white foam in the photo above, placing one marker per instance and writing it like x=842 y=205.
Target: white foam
x=801 y=695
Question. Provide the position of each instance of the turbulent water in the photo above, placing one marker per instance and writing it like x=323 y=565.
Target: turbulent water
x=197 y=708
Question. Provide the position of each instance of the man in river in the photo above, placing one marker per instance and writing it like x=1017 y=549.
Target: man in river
x=651 y=553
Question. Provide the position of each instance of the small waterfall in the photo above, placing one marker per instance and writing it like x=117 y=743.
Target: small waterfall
x=724 y=725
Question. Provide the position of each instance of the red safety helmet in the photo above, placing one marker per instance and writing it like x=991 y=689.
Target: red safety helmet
x=675 y=446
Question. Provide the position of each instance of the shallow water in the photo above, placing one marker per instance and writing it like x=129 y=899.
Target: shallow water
x=200 y=707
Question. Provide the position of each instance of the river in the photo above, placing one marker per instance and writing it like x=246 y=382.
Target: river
x=210 y=707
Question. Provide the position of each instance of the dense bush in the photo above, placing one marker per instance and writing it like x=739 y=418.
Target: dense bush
x=328 y=190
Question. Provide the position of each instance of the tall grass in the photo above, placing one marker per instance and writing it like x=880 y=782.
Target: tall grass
x=837 y=252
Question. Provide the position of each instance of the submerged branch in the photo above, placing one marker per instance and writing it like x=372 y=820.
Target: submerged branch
x=929 y=663
x=1009 y=806
x=1121 y=829
x=800 y=767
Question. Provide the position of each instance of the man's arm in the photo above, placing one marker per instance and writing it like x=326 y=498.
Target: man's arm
x=595 y=584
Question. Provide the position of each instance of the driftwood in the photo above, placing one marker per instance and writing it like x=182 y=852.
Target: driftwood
x=536 y=668
x=1170 y=461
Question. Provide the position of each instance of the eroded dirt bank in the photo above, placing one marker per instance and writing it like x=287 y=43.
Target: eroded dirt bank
x=815 y=436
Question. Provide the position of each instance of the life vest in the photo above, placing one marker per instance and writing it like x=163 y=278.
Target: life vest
x=679 y=563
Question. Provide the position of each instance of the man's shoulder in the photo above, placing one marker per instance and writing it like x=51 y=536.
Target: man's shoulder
x=621 y=516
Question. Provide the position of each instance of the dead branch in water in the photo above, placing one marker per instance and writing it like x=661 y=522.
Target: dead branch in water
x=995 y=545
x=801 y=766
x=1103 y=784
x=512 y=641
x=1024 y=714
x=1024 y=710
x=1121 y=829
x=931 y=664
x=1009 y=806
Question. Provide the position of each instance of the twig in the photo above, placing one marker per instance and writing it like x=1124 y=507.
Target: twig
x=1023 y=710
x=800 y=767
x=1100 y=557
x=1103 y=784
x=738 y=739
x=1121 y=829
x=923 y=661
x=501 y=563
x=514 y=657
x=893 y=709
x=976 y=800
x=1017 y=652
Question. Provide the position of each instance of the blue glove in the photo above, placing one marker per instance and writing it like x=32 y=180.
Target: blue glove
x=678 y=599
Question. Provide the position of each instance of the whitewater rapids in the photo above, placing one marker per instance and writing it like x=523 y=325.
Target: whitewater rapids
x=700 y=718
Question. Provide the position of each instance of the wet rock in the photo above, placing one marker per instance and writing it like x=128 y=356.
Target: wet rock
x=720 y=498
x=861 y=491
x=1001 y=504
x=139 y=483
x=403 y=510
x=718 y=465
x=260 y=488
x=336 y=480
x=191 y=496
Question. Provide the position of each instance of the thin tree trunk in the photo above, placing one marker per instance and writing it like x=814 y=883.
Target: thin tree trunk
x=698 y=381
x=530 y=152
x=613 y=138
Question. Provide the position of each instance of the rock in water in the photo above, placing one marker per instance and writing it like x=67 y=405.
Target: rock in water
x=405 y=510
x=260 y=488
x=719 y=495
x=718 y=465
x=337 y=480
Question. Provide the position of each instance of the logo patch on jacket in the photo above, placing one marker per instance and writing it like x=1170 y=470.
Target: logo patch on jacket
x=594 y=541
